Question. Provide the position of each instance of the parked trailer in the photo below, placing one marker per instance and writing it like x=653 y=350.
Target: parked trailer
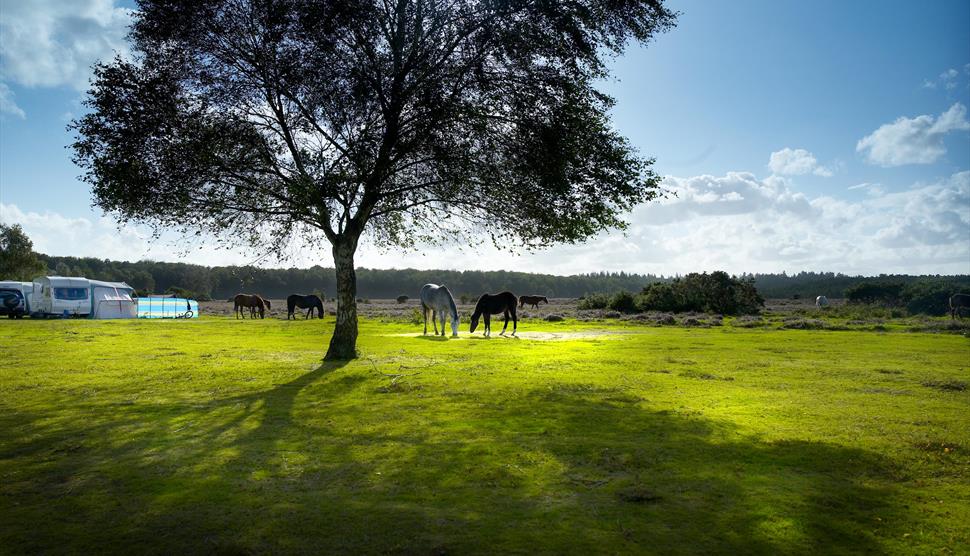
x=80 y=297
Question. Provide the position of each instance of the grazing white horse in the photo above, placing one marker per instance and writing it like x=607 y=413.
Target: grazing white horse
x=821 y=301
x=958 y=302
x=438 y=300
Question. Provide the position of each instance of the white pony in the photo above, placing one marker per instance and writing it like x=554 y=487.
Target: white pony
x=821 y=301
x=439 y=301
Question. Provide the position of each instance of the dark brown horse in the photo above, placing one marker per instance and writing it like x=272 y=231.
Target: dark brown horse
x=958 y=302
x=310 y=302
x=252 y=302
x=533 y=300
x=494 y=304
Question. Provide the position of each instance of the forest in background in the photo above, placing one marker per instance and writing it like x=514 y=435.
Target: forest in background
x=223 y=282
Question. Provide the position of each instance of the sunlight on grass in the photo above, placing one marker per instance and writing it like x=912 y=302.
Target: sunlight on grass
x=586 y=437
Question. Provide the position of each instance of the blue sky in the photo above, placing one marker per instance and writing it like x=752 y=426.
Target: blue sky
x=797 y=135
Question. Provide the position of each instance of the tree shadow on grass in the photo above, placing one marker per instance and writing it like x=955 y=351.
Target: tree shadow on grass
x=312 y=466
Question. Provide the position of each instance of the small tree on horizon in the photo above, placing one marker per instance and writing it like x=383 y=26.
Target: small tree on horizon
x=413 y=121
x=17 y=258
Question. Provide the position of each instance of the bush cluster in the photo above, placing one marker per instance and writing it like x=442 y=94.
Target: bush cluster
x=929 y=297
x=717 y=292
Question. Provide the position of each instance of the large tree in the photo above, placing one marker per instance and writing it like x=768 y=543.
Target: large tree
x=415 y=121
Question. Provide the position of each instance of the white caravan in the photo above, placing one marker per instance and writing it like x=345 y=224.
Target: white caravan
x=80 y=297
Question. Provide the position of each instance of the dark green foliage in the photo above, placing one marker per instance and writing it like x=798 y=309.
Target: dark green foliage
x=594 y=301
x=188 y=294
x=717 y=292
x=808 y=285
x=623 y=302
x=17 y=258
x=887 y=293
x=928 y=296
x=932 y=297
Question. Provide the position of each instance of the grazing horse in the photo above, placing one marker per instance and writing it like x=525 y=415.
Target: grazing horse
x=493 y=304
x=957 y=302
x=438 y=300
x=821 y=301
x=252 y=302
x=310 y=302
x=533 y=300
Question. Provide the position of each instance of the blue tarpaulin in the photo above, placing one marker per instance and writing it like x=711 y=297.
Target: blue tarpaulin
x=167 y=308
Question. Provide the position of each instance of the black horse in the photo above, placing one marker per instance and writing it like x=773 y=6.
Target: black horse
x=493 y=304
x=310 y=302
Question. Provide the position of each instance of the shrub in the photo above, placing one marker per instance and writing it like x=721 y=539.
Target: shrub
x=613 y=315
x=876 y=291
x=717 y=292
x=555 y=318
x=594 y=301
x=622 y=302
x=665 y=319
x=402 y=299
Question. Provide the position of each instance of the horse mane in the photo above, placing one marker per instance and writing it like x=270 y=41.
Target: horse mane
x=451 y=301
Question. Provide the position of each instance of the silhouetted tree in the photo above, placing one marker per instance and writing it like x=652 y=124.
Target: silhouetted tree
x=411 y=120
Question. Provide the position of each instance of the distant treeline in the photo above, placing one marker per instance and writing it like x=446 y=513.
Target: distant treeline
x=225 y=281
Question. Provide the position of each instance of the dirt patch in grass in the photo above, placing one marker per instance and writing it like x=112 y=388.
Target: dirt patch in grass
x=946 y=385
x=638 y=495
x=704 y=376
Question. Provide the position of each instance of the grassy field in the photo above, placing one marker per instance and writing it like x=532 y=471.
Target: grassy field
x=224 y=436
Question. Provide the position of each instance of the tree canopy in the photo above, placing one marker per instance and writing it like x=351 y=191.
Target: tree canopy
x=418 y=121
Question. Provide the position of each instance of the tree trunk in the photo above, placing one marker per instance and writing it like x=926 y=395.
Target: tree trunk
x=343 y=344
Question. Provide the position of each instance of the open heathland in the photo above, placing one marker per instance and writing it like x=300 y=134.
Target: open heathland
x=606 y=435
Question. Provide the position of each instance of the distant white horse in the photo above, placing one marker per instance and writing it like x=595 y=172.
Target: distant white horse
x=821 y=301
x=958 y=302
x=438 y=300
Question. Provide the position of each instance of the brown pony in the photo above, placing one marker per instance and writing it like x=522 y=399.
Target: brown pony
x=253 y=302
x=533 y=300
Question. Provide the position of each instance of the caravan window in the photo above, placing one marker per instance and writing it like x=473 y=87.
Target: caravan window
x=71 y=294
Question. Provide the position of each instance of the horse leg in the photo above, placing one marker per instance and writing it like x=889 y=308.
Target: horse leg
x=443 y=319
x=488 y=324
x=434 y=320
x=424 y=313
x=515 y=321
x=506 y=325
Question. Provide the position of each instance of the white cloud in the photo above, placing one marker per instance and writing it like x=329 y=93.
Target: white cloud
x=948 y=78
x=7 y=104
x=735 y=222
x=873 y=189
x=49 y=43
x=916 y=140
x=796 y=162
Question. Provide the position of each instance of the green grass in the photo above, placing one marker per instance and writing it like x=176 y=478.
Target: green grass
x=230 y=437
